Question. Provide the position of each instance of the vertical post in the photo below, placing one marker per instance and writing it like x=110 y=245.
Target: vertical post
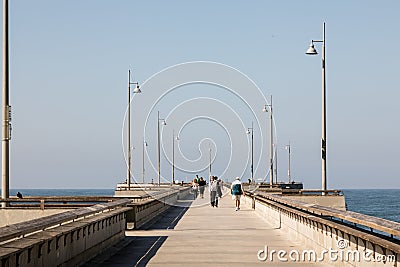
x=323 y=140
x=271 y=170
x=159 y=159
x=252 y=153
x=288 y=149
x=209 y=166
x=5 y=166
x=173 y=157
x=128 y=171
x=276 y=163
x=144 y=144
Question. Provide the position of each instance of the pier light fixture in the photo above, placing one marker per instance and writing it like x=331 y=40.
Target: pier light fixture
x=143 y=157
x=159 y=148
x=252 y=151
x=287 y=147
x=129 y=152
x=311 y=51
x=6 y=112
x=268 y=108
x=173 y=154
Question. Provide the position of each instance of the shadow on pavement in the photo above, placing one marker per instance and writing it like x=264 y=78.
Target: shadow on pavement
x=138 y=250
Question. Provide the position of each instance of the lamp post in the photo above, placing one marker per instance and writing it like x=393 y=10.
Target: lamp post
x=6 y=113
x=143 y=170
x=209 y=166
x=311 y=51
x=173 y=155
x=287 y=147
x=136 y=90
x=159 y=152
x=271 y=159
x=252 y=150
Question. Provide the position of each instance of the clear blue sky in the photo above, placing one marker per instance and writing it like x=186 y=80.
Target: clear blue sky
x=68 y=89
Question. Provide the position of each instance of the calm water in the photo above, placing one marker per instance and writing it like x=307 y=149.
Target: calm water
x=383 y=203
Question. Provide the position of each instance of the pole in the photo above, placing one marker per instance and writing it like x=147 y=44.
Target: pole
x=128 y=172
x=209 y=166
x=144 y=144
x=159 y=159
x=323 y=141
x=173 y=157
x=252 y=153
x=5 y=164
x=271 y=170
x=276 y=163
x=288 y=148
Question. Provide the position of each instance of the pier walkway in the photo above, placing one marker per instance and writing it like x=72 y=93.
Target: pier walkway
x=196 y=234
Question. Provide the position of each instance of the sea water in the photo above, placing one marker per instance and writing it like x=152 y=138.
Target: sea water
x=383 y=203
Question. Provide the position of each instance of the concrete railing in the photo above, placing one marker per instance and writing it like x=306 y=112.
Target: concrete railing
x=65 y=239
x=352 y=239
x=144 y=211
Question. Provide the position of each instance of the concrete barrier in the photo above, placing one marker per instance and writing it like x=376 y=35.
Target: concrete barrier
x=350 y=237
x=65 y=239
x=147 y=210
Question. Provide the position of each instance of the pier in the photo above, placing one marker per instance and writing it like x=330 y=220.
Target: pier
x=171 y=228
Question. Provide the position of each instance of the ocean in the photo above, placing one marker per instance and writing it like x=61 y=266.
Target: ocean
x=383 y=203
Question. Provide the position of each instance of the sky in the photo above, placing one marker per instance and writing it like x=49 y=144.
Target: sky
x=208 y=67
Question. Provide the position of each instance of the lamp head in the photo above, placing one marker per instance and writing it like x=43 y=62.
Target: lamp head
x=145 y=143
x=311 y=50
x=164 y=122
x=248 y=131
x=265 y=109
x=137 y=89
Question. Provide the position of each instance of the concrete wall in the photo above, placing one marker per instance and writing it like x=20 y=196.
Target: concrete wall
x=66 y=245
x=336 y=202
x=322 y=235
x=15 y=215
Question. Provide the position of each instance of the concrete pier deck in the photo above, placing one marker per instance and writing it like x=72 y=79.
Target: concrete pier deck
x=196 y=234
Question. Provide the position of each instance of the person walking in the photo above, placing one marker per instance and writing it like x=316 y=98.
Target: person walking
x=213 y=192
x=195 y=188
x=202 y=186
x=237 y=191
x=219 y=187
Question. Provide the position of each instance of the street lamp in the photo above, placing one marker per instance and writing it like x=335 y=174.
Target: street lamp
x=135 y=91
x=143 y=170
x=311 y=51
x=252 y=150
x=271 y=159
x=209 y=166
x=159 y=152
x=173 y=155
x=6 y=113
x=287 y=147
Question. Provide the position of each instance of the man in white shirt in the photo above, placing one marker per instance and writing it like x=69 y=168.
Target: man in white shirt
x=237 y=191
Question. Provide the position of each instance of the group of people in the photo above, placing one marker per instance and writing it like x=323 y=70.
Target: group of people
x=198 y=186
x=215 y=189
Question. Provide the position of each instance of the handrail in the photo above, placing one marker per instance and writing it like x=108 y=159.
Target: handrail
x=23 y=228
x=380 y=224
x=334 y=224
x=68 y=199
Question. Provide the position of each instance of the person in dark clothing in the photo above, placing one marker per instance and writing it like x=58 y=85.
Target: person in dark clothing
x=202 y=185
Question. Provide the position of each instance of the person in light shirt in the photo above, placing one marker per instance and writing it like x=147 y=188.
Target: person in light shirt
x=237 y=191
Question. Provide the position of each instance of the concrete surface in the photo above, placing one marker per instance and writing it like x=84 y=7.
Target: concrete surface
x=201 y=236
